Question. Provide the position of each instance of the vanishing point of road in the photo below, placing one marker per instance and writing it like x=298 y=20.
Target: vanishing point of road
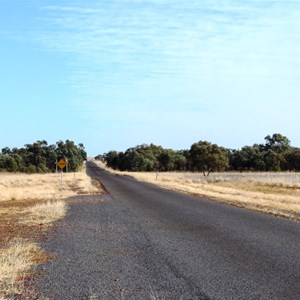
x=140 y=241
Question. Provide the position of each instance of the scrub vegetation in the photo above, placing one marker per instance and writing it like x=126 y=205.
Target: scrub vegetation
x=276 y=154
x=29 y=203
x=40 y=157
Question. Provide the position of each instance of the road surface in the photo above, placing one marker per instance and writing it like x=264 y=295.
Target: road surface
x=140 y=241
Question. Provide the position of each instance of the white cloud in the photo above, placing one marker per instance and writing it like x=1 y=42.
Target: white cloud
x=135 y=58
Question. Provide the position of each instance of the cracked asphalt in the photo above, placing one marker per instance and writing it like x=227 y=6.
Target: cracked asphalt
x=140 y=241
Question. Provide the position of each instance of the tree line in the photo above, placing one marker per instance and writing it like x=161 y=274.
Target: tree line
x=276 y=154
x=40 y=157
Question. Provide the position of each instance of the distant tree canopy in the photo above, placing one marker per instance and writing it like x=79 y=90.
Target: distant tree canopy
x=207 y=157
x=40 y=157
x=276 y=154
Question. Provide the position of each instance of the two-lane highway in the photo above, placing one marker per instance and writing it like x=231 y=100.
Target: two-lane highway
x=142 y=239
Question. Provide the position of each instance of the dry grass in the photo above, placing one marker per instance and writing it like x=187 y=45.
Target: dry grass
x=16 y=260
x=44 y=213
x=28 y=205
x=273 y=193
x=44 y=186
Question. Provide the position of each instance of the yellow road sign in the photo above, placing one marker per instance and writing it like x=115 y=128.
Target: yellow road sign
x=61 y=164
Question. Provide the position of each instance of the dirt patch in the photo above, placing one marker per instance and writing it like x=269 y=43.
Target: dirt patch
x=11 y=212
x=10 y=228
x=101 y=188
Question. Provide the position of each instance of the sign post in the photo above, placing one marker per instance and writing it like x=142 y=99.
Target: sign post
x=61 y=164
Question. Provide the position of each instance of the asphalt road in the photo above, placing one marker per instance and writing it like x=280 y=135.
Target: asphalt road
x=140 y=240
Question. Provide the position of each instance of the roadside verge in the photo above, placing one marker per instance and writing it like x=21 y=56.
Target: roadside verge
x=277 y=194
x=29 y=205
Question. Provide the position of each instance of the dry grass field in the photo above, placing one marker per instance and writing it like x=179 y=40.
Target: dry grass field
x=28 y=206
x=273 y=193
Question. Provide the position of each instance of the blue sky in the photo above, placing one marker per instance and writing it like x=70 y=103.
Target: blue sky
x=117 y=73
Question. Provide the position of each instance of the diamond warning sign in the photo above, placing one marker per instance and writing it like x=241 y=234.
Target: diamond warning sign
x=61 y=164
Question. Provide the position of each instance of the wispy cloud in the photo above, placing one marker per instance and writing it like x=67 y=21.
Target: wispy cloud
x=167 y=32
x=145 y=59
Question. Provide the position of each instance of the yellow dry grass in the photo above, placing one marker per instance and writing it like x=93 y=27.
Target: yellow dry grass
x=15 y=260
x=273 y=193
x=44 y=186
x=26 y=203
x=44 y=213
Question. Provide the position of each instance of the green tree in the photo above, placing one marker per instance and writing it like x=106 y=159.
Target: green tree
x=207 y=157
x=180 y=161
x=273 y=160
x=292 y=159
x=166 y=160
x=249 y=158
x=112 y=159
x=277 y=143
x=40 y=157
x=276 y=147
x=6 y=151
x=36 y=155
x=10 y=164
x=72 y=154
x=31 y=169
x=135 y=161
